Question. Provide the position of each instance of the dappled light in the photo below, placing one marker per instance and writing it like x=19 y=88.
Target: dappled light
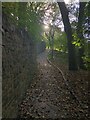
x=46 y=27
x=45 y=60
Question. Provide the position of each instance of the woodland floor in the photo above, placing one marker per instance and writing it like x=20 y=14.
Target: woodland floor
x=49 y=97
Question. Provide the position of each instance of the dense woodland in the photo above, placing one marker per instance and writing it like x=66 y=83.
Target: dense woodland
x=46 y=21
x=45 y=59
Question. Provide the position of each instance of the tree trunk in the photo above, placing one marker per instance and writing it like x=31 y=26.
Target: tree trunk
x=52 y=41
x=80 y=34
x=68 y=30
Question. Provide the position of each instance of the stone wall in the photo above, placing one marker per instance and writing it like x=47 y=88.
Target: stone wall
x=18 y=66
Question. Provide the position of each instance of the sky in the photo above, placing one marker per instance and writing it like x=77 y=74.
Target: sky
x=70 y=1
x=60 y=25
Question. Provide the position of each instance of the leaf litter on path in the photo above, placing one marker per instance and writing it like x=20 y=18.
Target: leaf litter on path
x=48 y=97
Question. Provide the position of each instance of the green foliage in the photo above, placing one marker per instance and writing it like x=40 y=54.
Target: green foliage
x=24 y=15
x=11 y=10
x=29 y=15
x=86 y=59
x=77 y=41
x=86 y=56
x=45 y=37
x=60 y=42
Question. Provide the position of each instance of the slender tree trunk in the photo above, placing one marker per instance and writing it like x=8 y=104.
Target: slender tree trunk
x=80 y=34
x=49 y=39
x=52 y=41
x=49 y=42
x=68 y=30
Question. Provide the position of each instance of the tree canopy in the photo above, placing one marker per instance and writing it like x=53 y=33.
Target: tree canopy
x=64 y=27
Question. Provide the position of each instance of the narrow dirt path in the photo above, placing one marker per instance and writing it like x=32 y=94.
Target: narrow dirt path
x=49 y=97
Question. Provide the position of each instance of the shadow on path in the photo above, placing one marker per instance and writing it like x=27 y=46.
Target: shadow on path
x=49 y=97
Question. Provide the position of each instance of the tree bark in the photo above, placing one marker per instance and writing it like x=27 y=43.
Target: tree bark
x=68 y=30
x=80 y=34
x=52 y=42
